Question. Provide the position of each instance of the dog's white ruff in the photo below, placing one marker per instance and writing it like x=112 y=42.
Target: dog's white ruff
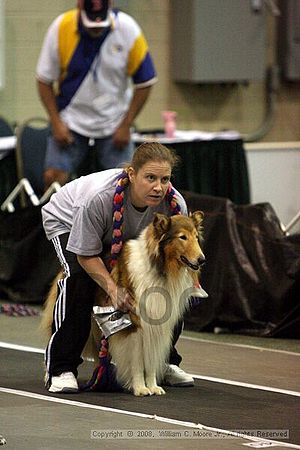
x=161 y=301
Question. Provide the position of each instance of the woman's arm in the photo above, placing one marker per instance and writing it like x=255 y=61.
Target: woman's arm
x=95 y=268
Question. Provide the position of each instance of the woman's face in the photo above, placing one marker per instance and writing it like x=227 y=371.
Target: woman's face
x=150 y=183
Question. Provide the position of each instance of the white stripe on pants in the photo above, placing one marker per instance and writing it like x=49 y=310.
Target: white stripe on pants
x=60 y=305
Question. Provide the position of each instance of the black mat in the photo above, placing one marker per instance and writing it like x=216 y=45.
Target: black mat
x=211 y=404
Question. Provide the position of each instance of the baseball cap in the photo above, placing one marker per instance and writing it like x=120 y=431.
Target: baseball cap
x=95 y=13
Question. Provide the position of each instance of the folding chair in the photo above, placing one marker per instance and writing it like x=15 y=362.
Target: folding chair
x=30 y=152
x=5 y=128
x=30 y=155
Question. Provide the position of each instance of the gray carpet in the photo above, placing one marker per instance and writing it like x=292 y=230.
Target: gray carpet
x=213 y=404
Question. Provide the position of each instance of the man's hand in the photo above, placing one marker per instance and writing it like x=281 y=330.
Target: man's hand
x=121 y=136
x=62 y=134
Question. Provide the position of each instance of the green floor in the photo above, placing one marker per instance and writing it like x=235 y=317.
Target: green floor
x=291 y=345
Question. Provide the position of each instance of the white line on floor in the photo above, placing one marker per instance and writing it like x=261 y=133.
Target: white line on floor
x=24 y=348
x=145 y=416
x=253 y=347
x=38 y=350
x=247 y=385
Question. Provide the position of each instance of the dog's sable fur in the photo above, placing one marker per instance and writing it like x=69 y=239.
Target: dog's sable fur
x=159 y=269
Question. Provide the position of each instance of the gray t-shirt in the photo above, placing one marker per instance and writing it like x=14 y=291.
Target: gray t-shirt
x=84 y=208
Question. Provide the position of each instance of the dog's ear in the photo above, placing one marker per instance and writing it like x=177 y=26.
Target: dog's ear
x=197 y=217
x=161 y=224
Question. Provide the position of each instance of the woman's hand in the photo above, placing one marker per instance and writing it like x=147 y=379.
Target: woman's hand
x=119 y=296
x=122 y=300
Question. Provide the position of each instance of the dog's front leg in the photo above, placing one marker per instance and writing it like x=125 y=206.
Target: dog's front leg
x=137 y=367
x=152 y=385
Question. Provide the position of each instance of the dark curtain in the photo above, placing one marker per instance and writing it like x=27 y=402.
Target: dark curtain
x=252 y=273
x=28 y=262
x=8 y=176
x=217 y=168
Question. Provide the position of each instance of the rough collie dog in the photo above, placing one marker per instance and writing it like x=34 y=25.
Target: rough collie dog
x=160 y=269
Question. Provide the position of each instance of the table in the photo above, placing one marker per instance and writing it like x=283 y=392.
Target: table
x=7 y=143
x=215 y=168
x=213 y=165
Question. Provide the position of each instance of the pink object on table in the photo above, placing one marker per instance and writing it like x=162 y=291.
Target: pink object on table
x=169 y=118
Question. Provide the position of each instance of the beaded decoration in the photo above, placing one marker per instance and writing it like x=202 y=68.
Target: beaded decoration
x=118 y=211
x=104 y=376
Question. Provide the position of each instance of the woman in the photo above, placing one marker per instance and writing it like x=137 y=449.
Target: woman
x=87 y=219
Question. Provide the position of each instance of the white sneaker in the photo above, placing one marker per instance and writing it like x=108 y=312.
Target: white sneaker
x=65 y=383
x=174 y=376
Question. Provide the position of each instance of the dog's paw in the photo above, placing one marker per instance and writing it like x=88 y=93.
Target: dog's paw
x=157 y=390
x=141 y=391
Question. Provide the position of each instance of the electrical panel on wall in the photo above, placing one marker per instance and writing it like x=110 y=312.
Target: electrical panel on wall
x=217 y=41
x=289 y=39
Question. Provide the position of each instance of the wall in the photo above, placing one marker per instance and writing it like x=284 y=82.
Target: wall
x=274 y=170
x=212 y=107
x=274 y=174
x=199 y=107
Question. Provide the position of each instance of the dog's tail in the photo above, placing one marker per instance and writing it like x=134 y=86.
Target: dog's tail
x=47 y=316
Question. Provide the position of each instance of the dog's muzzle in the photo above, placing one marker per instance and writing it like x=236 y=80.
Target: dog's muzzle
x=191 y=265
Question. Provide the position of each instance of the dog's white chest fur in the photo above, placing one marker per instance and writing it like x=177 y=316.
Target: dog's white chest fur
x=159 y=298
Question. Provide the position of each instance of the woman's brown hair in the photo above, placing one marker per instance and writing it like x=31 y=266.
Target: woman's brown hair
x=153 y=151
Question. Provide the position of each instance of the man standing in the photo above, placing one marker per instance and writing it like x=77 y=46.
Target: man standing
x=94 y=76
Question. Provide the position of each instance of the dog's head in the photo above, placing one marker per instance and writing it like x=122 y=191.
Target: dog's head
x=178 y=241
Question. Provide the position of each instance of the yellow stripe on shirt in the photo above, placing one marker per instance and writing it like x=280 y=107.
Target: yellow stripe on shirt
x=68 y=38
x=137 y=54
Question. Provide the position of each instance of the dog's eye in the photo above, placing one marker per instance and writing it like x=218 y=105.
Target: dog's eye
x=183 y=237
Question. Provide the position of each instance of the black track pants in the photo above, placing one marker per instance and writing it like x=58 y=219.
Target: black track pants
x=72 y=313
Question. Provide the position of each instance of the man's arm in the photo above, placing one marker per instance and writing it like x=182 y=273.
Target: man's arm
x=122 y=134
x=59 y=129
